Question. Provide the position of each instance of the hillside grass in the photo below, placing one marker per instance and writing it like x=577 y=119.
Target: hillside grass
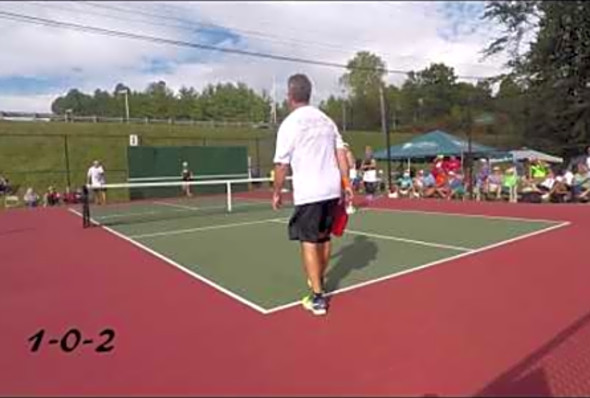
x=33 y=153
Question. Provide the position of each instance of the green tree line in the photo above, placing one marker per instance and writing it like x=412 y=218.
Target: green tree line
x=230 y=102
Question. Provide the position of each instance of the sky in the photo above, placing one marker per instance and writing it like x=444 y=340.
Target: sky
x=39 y=63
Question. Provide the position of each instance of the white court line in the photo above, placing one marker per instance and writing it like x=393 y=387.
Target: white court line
x=183 y=269
x=175 y=205
x=441 y=213
x=207 y=228
x=118 y=215
x=424 y=266
x=405 y=240
x=413 y=241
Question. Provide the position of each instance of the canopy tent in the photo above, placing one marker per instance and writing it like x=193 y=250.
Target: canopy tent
x=432 y=144
x=524 y=154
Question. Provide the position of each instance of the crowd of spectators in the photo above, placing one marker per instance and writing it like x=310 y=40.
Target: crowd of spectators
x=532 y=180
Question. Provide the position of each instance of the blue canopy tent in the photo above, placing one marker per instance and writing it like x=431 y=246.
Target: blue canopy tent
x=434 y=143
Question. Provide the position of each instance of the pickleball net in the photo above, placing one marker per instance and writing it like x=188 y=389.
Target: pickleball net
x=141 y=202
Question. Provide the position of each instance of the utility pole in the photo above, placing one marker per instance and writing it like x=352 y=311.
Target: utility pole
x=273 y=107
x=385 y=127
x=126 y=92
x=343 y=111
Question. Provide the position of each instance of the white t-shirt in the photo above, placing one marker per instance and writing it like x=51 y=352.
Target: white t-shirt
x=96 y=175
x=569 y=177
x=370 y=176
x=307 y=140
x=548 y=182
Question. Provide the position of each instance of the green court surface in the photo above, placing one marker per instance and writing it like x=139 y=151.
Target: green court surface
x=246 y=253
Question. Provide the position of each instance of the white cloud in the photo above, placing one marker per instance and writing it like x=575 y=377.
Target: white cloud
x=26 y=103
x=404 y=34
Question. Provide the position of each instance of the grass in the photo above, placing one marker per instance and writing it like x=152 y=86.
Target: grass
x=33 y=153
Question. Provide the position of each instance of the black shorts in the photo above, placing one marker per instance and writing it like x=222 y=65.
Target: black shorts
x=312 y=222
x=370 y=187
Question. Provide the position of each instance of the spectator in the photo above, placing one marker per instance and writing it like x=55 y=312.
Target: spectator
x=441 y=182
x=561 y=191
x=30 y=198
x=428 y=184
x=495 y=183
x=546 y=185
x=481 y=179
x=456 y=186
x=510 y=184
x=3 y=185
x=452 y=165
x=404 y=187
x=51 y=197
x=538 y=170
x=419 y=183
x=69 y=197
x=582 y=183
x=588 y=158
x=437 y=166
x=369 y=168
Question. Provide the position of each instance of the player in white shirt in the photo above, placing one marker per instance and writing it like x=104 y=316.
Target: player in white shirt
x=96 y=180
x=309 y=143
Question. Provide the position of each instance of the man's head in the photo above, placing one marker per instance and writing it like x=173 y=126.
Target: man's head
x=299 y=91
x=96 y=163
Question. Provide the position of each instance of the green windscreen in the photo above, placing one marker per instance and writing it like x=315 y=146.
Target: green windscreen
x=160 y=164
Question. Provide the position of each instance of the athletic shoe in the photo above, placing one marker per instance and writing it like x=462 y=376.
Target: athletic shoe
x=315 y=303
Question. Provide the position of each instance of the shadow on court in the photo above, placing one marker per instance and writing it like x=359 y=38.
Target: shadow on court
x=354 y=256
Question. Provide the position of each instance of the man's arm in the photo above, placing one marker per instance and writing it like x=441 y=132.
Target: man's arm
x=343 y=166
x=282 y=160
x=281 y=170
x=342 y=157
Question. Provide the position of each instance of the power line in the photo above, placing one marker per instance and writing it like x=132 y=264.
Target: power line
x=180 y=43
x=265 y=36
x=261 y=35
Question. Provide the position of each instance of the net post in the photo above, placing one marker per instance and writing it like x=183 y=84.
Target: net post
x=228 y=185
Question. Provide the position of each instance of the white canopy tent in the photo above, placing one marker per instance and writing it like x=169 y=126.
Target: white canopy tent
x=524 y=154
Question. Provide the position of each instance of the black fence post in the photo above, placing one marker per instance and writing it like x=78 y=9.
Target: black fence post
x=67 y=160
x=258 y=154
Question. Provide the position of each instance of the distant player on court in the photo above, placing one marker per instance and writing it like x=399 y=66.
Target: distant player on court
x=96 y=180
x=309 y=143
x=187 y=176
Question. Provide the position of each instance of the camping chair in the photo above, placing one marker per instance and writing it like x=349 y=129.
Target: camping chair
x=11 y=201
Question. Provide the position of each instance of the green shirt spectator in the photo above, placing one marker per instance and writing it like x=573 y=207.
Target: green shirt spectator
x=538 y=170
x=510 y=180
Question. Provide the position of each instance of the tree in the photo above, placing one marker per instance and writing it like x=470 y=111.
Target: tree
x=555 y=71
x=363 y=79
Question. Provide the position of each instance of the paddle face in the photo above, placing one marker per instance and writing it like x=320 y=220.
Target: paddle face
x=340 y=220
